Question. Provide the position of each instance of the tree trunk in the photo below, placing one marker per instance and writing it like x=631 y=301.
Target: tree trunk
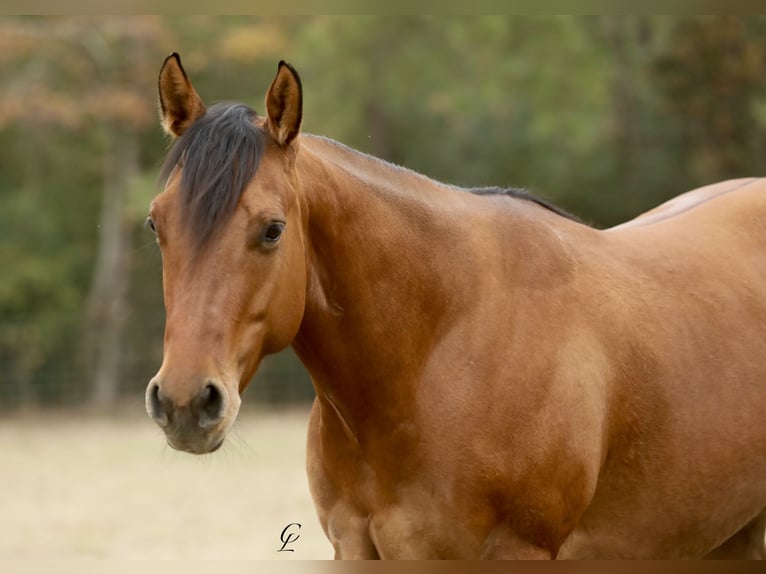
x=107 y=304
x=623 y=104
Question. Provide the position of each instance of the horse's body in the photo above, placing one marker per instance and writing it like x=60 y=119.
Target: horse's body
x=582 y=379
x=492 y=379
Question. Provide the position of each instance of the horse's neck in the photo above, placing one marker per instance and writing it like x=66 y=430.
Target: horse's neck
x=394 y=258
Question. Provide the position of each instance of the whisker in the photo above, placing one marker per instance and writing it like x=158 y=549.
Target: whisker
x=143 y=247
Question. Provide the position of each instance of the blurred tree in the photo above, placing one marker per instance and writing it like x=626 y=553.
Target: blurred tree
x=710 y=78
x=607 y=116
x=39 y=297
x=89 y=76
x=120 y=68
x=468 y=100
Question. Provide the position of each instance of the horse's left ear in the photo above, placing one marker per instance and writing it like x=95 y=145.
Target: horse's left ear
x=284 y=105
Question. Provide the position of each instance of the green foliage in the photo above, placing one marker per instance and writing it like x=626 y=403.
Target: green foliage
x=710 y=81
x=607 y=116
x=45 y=256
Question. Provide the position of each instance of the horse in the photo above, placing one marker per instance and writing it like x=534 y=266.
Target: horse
x=493 y=378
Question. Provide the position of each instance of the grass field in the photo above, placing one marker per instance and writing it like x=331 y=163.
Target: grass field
x=86 y=486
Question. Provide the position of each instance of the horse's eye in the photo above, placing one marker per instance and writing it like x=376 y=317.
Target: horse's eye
x=273 y=232
x=150 y=224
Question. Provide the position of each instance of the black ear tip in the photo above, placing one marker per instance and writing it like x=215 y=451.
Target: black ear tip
x=283 y=64
x=173 y=56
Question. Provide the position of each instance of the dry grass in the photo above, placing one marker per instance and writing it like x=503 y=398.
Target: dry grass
x=78 y=486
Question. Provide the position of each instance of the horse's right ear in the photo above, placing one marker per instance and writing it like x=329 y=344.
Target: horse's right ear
x=180 y=106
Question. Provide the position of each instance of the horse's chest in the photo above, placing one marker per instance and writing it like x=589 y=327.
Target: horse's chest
x=391 y=512
x=411 y=527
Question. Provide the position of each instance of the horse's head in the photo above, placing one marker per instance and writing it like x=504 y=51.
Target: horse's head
x=229 y=225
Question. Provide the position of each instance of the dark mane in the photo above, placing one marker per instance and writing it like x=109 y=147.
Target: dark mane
x=219 y=153
x=492 y=190
x=523 y=194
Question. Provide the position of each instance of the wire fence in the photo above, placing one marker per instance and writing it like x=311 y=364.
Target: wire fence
x=47 y=356
x=63 y=377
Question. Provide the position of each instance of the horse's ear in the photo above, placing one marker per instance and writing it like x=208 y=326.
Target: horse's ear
x=284 y=105
x=180 y=105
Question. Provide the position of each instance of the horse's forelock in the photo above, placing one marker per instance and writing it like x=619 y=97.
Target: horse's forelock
x=219 y=155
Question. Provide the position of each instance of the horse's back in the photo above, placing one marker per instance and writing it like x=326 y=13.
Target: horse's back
x=693 y=199
x=691 y=276
x=702 y=249
x=709 y=242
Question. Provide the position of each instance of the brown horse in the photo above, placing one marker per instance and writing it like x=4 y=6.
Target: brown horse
x=493 y=378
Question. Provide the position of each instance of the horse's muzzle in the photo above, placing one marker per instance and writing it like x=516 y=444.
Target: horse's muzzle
x=196 y=426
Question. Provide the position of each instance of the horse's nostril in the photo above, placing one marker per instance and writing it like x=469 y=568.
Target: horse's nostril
x=211 y=405
x=155 y=405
